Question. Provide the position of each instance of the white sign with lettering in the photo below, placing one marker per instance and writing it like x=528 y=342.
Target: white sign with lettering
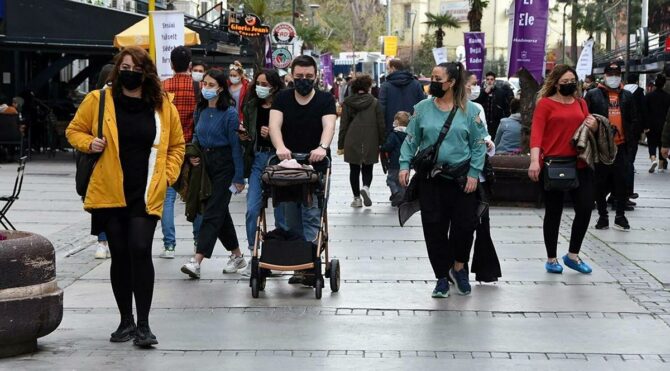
x=440 y=55
x=168 y=34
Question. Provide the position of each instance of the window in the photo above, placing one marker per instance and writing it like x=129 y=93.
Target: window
x=407 y=11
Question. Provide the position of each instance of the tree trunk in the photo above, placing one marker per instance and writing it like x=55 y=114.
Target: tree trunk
x=439 y=37
x=573 y=33
x=529 y=89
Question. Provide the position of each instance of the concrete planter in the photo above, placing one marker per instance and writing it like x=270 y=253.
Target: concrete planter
x=31 y=303
x=512 y=184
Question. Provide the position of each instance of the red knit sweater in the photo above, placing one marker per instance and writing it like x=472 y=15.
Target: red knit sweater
x=553 y=126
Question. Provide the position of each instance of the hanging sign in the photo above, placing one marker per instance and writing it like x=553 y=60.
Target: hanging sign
x=531 y=19
x=168 y=34
x=281 y=58
x=475 y=53
x=283 y=33
x=585 y=63
x=248 y=25
x=440 y=55
x=390 y=46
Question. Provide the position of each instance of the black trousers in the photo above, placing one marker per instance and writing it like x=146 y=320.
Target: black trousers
x=216 y=219
x=630 y=170
x=485 y=263
x=613 y=179
x=132 y=270
x=355 y=175
x=582 y=199
x=449 y=219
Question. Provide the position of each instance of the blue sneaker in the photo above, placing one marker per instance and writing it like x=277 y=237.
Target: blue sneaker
x=462 y=280
x=553 y=267
x=441 y=289
x=579 y=266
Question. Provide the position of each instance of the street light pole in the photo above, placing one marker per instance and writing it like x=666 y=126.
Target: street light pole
x=411 y=54
x=293 y=15
x=627 y=37
x=388 y=17
x=564 y=10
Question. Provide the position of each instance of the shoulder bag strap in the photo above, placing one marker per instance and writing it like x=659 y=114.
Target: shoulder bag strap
x=445 y=130
x=101 y=112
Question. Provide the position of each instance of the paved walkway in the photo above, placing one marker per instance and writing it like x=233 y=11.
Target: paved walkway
x=383 y=317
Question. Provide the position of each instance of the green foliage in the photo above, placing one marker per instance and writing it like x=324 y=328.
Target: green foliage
x=476 y=13
x=440 y=21
x=423 y=58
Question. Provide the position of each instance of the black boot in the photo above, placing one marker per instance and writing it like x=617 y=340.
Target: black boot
x=125 y=331
x=144 y=338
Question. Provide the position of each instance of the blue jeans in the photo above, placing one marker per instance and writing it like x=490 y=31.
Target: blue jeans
x=255 y=197
x=300 y=219
x=102 y=237
x=393 y=182
x=167 y=221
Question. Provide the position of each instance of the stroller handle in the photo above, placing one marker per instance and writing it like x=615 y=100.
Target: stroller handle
x=302 y=158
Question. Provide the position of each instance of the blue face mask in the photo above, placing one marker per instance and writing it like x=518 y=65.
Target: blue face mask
x=209 y=94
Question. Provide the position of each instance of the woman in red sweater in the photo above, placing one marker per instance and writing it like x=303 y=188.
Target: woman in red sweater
x=558 y=114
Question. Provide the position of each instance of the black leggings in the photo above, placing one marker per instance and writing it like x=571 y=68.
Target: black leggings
x=582 y=199
x=354 y=177
x=132 y=270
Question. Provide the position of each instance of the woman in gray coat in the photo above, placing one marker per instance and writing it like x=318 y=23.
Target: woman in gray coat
x=361 y=134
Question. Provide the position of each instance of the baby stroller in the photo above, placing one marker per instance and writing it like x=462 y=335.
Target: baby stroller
x=294 y=185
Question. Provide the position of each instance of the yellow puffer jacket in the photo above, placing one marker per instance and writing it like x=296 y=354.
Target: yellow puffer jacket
x=105 y=189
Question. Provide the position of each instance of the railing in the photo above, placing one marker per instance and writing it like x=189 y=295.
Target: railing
x=620 y=52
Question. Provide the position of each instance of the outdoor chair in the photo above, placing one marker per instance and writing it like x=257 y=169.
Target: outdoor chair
x=10 y=134
x=9 y=200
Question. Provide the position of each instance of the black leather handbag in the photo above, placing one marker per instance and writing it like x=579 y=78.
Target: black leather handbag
x=86 y=161
x=560 y=173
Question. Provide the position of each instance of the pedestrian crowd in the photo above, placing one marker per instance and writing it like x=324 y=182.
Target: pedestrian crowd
x=206 y=134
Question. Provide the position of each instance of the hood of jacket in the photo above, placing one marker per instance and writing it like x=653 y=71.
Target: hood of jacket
x=515 y=116
x=359 y=102
x=400 y=78
x=631 y=87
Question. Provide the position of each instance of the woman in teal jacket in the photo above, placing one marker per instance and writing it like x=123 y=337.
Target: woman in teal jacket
x=448 y=199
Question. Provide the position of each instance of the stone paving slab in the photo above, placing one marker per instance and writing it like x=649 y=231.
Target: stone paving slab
x=306 y=360
x=288 y=331
x=384 y=270
x=278 y=293
x=657 y=252
x=632 y=237
x=657 y=269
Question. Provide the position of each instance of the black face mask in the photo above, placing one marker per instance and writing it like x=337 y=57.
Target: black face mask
x=567 y=90
x=131 y=80
x=303 y=86
x=436 y=89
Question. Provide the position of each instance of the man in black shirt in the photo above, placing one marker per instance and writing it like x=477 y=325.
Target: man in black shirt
x=495 y=99
x=302 y=120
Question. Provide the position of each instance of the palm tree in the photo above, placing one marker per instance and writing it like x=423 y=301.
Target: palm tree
x=441 y=21
x=475 y=14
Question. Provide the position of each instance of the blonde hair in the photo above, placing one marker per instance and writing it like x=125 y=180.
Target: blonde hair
x=549 y=87
x=402 y=117
x=237 y=67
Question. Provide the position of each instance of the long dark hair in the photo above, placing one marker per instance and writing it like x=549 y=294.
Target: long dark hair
x=152 y=90
x=549 y=87
x=273 y=79
x=456 y=71
x=225 y=99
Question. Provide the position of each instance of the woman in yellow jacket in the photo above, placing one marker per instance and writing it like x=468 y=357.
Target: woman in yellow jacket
x=142 y=150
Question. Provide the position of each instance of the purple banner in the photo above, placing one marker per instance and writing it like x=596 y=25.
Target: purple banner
x=268 y=53
x=529 y=37
x=327 y=67
x=475 y=53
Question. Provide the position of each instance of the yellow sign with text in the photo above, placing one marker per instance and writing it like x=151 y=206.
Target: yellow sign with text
x=390 y=46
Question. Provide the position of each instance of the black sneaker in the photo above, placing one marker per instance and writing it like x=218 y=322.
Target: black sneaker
x=621 y=223
x=603 y=223
x=631 y=203
x=462 y=280
x=144 y=338
x=125 y=331
x=634 y=195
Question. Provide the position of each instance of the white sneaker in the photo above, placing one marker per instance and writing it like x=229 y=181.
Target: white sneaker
x=168 y=252
x=102 y=251
x=192 y=269
x=357 y=202
x=365 y=193
x=246 y=272
x=234 y=264
x=652 y=169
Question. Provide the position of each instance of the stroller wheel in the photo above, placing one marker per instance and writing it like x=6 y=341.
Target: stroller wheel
x=254 y=287
x=262 y=278
x=318 y=288
x=334 y=275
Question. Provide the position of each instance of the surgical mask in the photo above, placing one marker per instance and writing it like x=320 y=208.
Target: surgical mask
x=436 y=89
x=197 y=76
x=209 y=94
x=567 y=90
x=304 y=86
x=235 y=80
x=130 y=80
x=475 y=90
x=613 y=82
x=263 y=91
